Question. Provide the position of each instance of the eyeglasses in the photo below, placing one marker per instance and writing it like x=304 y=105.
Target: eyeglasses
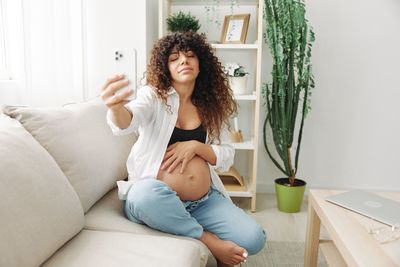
x=384 y=234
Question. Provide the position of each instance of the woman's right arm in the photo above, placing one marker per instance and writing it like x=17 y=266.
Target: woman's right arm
x=120 y=115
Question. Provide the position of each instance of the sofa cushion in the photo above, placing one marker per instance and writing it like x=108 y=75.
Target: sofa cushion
x=108 y=249
x=81 y=142
x=107 y=215
x=39 y=209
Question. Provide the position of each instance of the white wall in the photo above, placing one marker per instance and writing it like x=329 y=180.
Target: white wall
x=112 y=25
x=351 y=137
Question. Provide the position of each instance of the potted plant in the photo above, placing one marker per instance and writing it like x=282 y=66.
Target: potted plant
x=237 y=77
x=287 y=97
x=180 y=22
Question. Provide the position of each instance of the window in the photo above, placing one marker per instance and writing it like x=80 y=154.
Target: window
x=11 y=45
x=41 y=52
x=3 y=52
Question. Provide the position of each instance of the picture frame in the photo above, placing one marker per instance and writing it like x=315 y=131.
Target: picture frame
x=234 y=30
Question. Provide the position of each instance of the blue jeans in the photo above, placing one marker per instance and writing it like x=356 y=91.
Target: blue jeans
x=154 y=203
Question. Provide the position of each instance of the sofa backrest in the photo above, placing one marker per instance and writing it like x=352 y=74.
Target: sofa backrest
x=81 y=142
x=39 y=209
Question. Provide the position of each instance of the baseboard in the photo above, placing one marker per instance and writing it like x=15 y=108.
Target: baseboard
x=270 y=188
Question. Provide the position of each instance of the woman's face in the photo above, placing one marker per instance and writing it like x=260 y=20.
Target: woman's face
x=183 y=66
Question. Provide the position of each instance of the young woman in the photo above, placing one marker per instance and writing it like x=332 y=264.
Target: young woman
x=181 y=118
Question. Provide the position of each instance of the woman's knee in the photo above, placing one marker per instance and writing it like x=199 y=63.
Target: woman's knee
x=142 y=194
x=252 y=239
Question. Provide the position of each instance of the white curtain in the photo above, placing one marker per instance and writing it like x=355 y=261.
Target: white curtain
x=52 y=54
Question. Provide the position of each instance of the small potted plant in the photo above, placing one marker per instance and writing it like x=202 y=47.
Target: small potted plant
x=237 y=77
x=287 y=97
x=181 y=22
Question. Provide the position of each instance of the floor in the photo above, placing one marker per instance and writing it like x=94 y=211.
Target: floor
x=280 y=226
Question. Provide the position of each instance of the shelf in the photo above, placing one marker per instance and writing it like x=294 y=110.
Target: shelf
x=245 y=97
x=235 y=46
x=239 y=193
x=234 y=183
x=211 y=2
x=251 y=55
x=331 y=253
x=246 y=145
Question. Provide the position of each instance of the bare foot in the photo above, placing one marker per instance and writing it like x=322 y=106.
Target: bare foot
x=227 y=253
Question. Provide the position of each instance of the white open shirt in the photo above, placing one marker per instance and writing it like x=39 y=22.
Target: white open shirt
x=154 y=125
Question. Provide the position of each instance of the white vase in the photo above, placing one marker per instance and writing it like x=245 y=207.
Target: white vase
x=238 y=85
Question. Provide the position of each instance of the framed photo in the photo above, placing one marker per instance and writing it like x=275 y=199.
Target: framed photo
x=235 y=29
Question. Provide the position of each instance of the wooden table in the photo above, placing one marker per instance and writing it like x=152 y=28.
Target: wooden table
x=351 y=244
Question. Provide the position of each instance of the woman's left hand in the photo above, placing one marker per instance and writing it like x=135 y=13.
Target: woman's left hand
x=177 y=153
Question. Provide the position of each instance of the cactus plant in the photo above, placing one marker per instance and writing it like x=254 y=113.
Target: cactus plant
x=287 y=97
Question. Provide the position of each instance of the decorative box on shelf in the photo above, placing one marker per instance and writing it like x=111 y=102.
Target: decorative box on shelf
x=232 y=180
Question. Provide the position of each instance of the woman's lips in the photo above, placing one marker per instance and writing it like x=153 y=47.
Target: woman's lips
x=185 y=69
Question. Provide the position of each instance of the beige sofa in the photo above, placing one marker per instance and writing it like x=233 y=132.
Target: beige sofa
x=59 y=205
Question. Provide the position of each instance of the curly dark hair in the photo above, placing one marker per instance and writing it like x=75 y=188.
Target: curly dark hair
x=212 y=96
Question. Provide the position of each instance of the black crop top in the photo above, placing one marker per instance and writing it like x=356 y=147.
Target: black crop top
x=179 y=135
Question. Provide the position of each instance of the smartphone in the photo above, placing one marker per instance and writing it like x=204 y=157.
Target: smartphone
x=125 y=63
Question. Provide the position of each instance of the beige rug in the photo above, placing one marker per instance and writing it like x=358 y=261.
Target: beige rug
x=281 y=254
x=289 y=254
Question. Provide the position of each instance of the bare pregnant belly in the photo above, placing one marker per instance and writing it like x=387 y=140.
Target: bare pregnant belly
x=193 y=183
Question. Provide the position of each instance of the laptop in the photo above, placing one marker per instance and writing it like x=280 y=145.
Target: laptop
x=368 y=204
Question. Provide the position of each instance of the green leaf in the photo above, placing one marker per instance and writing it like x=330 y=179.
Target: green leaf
x=287 y=96
x=180 y=22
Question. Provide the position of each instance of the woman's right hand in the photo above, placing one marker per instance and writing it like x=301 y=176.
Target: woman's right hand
x=120 y=115
x=115 y=101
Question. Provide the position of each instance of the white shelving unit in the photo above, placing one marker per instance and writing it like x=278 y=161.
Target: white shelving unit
x=249 y=104
x=235 y=46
